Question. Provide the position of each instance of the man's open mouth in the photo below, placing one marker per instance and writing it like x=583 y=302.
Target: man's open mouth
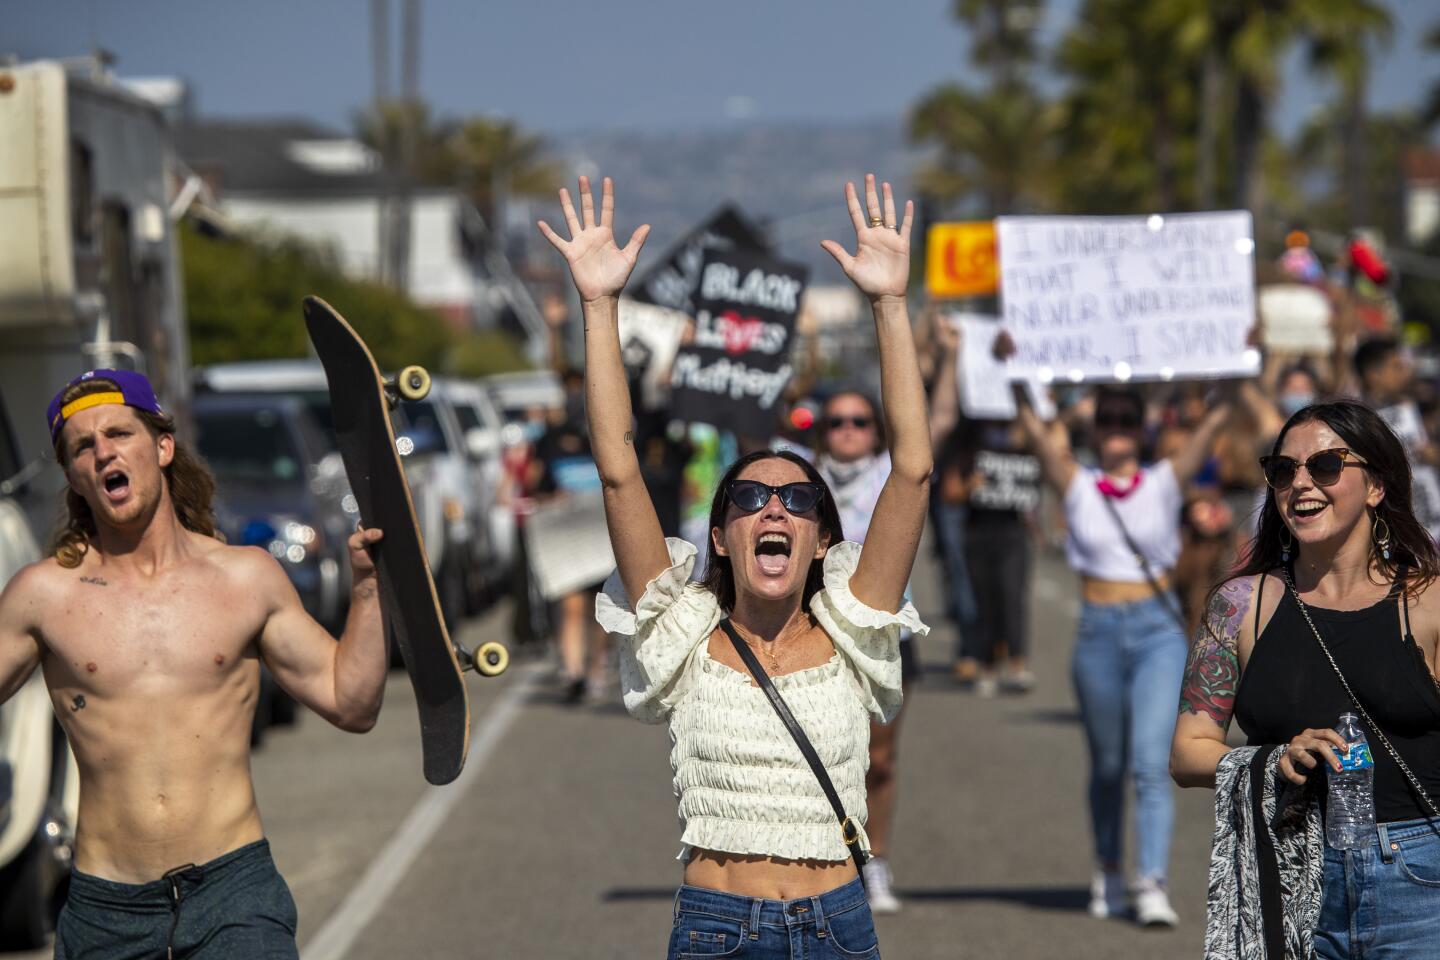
x=117 y=485
x=772 y=554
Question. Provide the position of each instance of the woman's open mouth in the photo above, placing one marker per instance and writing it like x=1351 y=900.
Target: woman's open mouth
x=1307 y=510
x=772 y=554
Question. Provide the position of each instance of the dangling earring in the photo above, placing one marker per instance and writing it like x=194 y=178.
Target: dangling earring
x=1382 y=540
x=1287 y=541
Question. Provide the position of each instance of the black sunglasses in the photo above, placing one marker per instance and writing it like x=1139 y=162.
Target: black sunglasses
x=859 y=423
x=1118 y=420
x=1324 y=467
x=752 y=495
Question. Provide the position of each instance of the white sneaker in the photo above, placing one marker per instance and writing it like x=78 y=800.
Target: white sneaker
x=1107 y=894
x=1152 y=904
x=987 y=687
x=877 y=887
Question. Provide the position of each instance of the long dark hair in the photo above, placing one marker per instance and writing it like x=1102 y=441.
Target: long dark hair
x=1366 y=433
x=719 y=579
x=191 y=486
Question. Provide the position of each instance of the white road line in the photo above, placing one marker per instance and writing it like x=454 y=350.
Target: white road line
x=385 y=872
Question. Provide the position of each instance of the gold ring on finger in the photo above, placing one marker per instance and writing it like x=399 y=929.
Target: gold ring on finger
x=877 y=221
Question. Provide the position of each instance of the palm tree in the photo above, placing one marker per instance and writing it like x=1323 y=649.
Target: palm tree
x=1131 y=109
x=993 y=145
x=1250 y=38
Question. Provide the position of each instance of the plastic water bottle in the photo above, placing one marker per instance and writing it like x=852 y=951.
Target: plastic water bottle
x=1350 y=810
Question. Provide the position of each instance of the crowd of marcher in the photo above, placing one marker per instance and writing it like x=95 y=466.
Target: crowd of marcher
x=1155 y=493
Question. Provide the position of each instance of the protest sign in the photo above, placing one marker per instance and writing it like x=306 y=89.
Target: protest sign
x=1295 y=318
x=649 y=338
x=733 y=372
x=672 y=282
x=960 y=259
x=985 y=391
x=1129 y=298
x=568 y=544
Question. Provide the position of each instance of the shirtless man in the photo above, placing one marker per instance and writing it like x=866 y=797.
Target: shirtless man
x=150 y=632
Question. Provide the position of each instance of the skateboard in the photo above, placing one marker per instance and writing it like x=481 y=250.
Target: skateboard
x=361 y=399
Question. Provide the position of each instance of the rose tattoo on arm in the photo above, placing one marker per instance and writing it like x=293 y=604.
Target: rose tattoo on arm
x=1212 y=673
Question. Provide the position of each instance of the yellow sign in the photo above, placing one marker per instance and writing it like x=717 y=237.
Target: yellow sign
x=960 y=259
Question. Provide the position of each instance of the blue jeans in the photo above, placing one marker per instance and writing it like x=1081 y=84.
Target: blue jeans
x=709 y=923
x=1128 y=666
x=1382 y=902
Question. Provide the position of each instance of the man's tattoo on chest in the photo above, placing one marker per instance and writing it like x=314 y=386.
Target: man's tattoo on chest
x=1212 y=674
x=78 y=703
x=97 y=581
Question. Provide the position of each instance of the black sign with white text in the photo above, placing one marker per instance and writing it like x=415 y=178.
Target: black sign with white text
x=673 y=281
x=733 y=372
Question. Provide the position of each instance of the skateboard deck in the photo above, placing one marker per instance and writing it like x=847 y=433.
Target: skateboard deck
x=360 y=400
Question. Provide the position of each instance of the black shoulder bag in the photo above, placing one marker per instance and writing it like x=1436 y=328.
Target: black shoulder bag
x=848 y=830
x=1144 y=562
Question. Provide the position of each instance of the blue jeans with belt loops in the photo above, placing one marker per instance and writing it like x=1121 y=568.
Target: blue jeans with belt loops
x=1128 y=666
x=1382 y=901
x=837 y=924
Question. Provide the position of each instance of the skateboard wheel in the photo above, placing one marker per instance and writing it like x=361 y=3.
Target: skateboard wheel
x=413 y=383
x=491 y=659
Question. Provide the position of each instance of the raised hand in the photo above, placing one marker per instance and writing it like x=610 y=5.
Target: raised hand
x=881 y=264
x=598 y=266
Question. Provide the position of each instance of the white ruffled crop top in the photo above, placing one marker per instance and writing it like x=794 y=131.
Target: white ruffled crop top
x=742 y=784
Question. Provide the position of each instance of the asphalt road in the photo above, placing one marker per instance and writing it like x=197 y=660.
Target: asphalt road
x=559 y=841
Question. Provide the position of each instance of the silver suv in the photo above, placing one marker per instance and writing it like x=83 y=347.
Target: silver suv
x=440 y=474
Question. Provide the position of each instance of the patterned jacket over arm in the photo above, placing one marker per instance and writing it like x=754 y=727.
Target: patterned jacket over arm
x=1234 y=920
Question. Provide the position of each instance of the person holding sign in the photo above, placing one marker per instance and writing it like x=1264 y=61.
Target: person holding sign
x=1123 y=538
x=773 y=825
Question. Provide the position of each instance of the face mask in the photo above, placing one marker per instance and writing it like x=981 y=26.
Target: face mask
x=1293 y=403
x=534 y=430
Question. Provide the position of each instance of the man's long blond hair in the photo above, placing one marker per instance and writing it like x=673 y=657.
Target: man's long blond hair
x=192 y=488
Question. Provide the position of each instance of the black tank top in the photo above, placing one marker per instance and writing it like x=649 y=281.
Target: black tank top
x=1289 y=686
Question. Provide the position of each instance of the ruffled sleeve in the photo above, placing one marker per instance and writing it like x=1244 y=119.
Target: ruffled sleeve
x=656 y=640
x=868 y=639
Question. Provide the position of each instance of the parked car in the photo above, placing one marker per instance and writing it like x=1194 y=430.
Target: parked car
x=280 y=492
x=481 y=435
x=515 y=394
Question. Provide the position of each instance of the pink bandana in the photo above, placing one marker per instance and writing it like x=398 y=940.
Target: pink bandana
x=1107 y=487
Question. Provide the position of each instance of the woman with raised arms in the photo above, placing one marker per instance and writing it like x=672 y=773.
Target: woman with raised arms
x=767 y=862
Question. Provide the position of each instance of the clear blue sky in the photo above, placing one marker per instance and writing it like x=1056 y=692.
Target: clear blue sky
x=562 y=66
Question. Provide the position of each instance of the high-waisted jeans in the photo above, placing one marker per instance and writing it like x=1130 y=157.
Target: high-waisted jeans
x=1128 y=665
x=709 y=923
x=1382 y=902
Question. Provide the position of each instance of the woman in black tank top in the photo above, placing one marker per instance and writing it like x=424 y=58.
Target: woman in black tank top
x=1340 y=558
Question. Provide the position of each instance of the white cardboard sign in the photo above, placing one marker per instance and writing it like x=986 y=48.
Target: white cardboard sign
x=1296 y=319
x=985 y=392
x=1129 y=298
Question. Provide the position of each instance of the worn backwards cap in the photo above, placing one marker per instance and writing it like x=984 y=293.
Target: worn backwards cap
x=134 y=391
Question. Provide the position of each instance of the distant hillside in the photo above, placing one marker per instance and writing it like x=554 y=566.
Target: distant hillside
x=787 y=178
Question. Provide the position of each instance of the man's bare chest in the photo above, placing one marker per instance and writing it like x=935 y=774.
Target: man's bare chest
x=107 y=634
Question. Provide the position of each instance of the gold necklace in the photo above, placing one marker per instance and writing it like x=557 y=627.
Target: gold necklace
x=768 y=651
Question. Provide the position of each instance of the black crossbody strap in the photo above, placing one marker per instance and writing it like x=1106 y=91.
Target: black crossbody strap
x=848 y=830
x=1144 y=562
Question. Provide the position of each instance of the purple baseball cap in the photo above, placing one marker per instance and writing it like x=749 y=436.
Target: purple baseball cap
x=135 y=391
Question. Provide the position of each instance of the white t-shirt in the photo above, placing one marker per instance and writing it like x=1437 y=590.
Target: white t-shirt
x=1095 y=546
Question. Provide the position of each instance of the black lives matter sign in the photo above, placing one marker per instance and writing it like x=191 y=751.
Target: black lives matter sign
x=733 y=372
x=675 y=280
